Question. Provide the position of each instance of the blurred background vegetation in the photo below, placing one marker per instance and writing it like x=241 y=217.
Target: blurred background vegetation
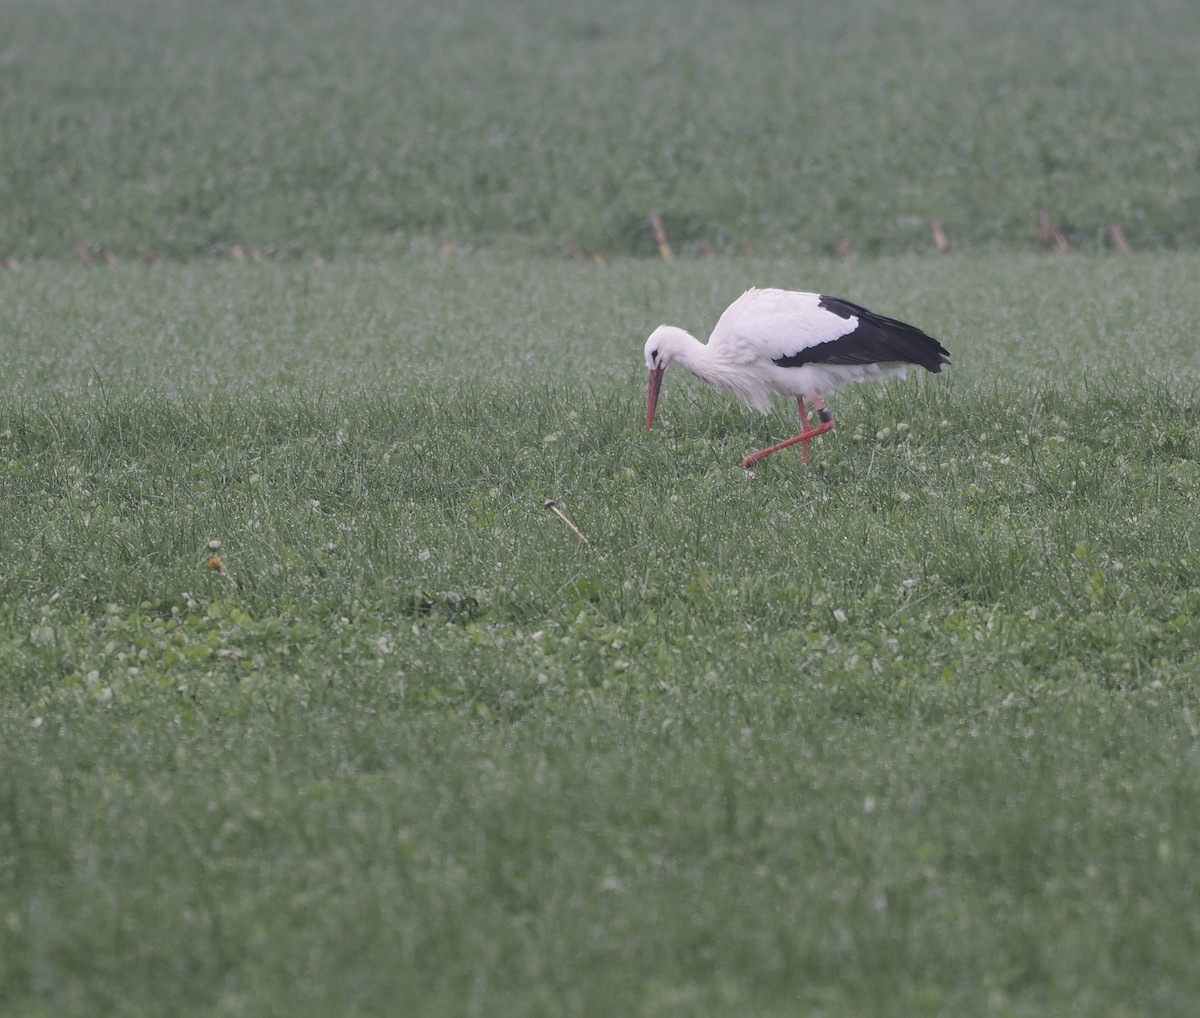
x=186 y=127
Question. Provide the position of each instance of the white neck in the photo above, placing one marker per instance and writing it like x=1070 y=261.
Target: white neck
x=711 y=363
x=702 y=359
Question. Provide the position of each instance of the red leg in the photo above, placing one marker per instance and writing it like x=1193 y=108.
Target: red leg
x=806 y=435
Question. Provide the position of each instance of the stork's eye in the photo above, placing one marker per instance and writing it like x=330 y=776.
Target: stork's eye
x=654 y=356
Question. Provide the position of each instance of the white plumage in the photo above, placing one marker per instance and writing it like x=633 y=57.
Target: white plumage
x=787 y=343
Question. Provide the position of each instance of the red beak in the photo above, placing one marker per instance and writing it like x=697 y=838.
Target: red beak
x=652 y=394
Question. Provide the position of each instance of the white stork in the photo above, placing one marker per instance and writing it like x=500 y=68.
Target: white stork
x=792 y=344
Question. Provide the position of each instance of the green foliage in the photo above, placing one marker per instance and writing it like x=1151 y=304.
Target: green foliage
x=309 y=706
x=307 y=703
x=374 y=125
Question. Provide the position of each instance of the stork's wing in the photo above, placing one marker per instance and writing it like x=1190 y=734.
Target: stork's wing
x=766 y=325
x=867 y=338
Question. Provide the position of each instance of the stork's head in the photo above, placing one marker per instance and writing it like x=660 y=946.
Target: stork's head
x=661 y=349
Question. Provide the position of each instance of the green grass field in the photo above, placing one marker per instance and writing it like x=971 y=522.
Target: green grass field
x=913 y=731
x=374 y=125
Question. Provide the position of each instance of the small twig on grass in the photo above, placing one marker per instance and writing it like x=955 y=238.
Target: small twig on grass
x=844 y=249
x=1117 y=235
x=940 y=240
x=549 y=504
x=660 y=237
x=1052 y=237
x=1046 y=230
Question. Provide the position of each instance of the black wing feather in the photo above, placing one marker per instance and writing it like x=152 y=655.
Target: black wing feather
x=876 y=340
